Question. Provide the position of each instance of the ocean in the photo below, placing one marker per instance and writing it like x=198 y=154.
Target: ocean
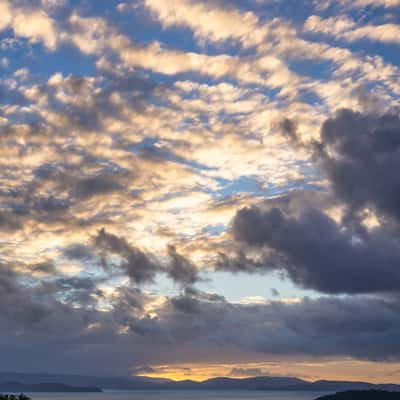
x=180 y=395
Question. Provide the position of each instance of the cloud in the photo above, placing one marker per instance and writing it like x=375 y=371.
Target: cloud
x=53 y=5
x=6 y=15
x=359 y=154
x=319 y=254
x=142 y=267
x=17 y=306
x=143 y=370
x=75 y=283
x=292 y=329
x=92 y=186
x=96 y=36
x=33 y=24
x=210 y=22
x=343 y=27
x=206 y=326
x=9 y=221
x=373 y=3
x=181 y=269
x=247 y=372
x=357 y=4
x=138 y=265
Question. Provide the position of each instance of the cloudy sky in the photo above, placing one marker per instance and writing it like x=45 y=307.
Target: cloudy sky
x=199 y=188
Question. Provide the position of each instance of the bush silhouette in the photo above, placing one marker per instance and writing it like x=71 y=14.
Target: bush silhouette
x=21 y=396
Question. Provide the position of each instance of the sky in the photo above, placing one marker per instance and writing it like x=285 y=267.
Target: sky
x=192 y=189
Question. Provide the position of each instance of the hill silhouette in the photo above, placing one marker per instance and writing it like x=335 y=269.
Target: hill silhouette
x=362 y=395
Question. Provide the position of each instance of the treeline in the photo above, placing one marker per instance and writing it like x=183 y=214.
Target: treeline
x=14 y=397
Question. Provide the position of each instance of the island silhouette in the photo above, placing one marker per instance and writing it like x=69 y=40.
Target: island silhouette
x=362 y=395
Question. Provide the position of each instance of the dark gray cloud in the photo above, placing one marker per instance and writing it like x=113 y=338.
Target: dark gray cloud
x=187 y=305
x=205 y=296
x=17 y=306
x=288 y=128
x=360 y=154
x=78 y=181
x=317 y=253
x=139 y=266
x=78 y=252
x=130 y=299
x=322 y=326
x=46 y=267
x=95 y=185
x=143 y=267
x=9 y=221
x=180 y=269
x=43 y=318
x=275 y=292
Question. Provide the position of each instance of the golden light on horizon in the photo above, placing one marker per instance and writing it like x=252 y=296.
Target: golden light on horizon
x=310 y=370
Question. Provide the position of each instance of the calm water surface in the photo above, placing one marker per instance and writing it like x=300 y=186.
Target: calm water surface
x=179 y=395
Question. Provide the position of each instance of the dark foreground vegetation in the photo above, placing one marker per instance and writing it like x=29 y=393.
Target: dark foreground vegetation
x=363 y=395
x=14 y=397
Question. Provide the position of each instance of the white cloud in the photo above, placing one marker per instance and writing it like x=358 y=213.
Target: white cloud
x=209 y=22
x=373 y=3
x=34 y=25
x=354 y=4
x=344 y=28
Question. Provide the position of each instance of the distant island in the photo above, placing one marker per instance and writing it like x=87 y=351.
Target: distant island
x=362 y=395
x=18 y=387
x=13 y=382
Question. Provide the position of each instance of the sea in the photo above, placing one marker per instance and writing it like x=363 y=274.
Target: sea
x=181 y=395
